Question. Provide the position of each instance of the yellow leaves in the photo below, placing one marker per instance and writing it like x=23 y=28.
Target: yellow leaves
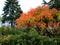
x=58 y=16
x=32 y=19
x=7 y=37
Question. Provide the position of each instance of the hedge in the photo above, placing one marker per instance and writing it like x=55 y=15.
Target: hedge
x=13 y=36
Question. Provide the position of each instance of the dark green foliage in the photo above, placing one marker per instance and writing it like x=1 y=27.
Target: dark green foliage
x=11 y=11
x=13 y=36
x=53 y=4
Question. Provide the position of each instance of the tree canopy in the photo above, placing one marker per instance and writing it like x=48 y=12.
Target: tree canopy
x=53 y=4
x=11 y=10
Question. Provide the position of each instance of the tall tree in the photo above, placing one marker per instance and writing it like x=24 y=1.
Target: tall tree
x=53 y=4
x=11 y=11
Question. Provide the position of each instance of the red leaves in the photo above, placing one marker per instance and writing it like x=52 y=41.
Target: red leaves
x=35 y=16
x=46 y=14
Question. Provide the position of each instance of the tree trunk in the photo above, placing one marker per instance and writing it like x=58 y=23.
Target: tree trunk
x=12 y=24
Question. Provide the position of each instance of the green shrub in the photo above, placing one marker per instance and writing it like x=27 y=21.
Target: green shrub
x=13 y=36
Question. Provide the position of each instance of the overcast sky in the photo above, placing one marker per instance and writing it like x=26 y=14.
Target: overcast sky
x=25 y=4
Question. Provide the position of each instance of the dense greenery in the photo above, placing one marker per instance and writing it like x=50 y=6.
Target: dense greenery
x=11 y=11
x=13 y=36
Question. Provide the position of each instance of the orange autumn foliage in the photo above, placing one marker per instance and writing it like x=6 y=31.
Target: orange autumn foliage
x=36 y=16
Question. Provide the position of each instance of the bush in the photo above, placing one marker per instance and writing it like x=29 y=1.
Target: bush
x=43 y=19
x=25 y=36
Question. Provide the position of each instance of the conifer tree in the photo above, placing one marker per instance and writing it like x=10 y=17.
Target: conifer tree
x=53 y=4
x=11 y=11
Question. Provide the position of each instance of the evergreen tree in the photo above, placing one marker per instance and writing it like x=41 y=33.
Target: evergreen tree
x=11 y=11
x=53 y=4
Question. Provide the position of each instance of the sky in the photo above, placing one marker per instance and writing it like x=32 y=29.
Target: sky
x=25 y=5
